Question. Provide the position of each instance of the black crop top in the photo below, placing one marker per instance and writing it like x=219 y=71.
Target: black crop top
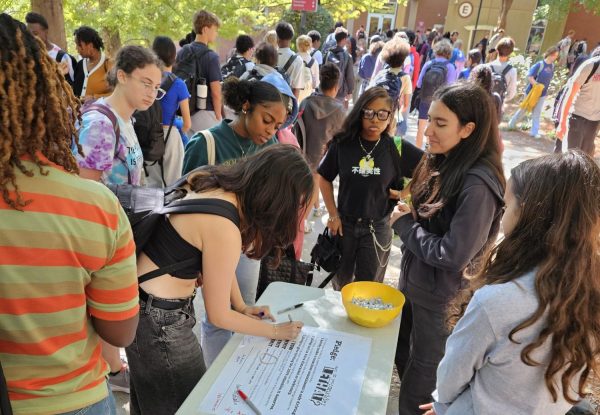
x=173 y=254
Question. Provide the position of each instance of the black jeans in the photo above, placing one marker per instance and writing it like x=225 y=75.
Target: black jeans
x=421 y=345
x=582 y=133
x=359 y=253
x=165 y=359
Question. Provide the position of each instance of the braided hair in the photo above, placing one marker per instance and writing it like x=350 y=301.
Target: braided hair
x=39 y=109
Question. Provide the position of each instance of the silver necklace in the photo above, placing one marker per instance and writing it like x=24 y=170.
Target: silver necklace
x=368 y=153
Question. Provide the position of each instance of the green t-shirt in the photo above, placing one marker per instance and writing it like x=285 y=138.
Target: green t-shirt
x=228 y=147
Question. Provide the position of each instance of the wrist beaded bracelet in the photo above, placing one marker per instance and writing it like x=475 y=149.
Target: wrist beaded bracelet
x=333 y=218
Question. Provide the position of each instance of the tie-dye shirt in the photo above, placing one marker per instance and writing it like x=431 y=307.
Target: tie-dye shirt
x=97 y=138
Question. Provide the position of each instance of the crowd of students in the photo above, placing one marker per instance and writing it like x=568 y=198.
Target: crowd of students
x=73 y=291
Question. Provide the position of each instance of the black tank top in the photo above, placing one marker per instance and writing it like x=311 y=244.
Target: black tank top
x=167 y=249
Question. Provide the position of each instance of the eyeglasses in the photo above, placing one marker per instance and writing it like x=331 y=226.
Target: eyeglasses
x=382 y=115
x=158 y=92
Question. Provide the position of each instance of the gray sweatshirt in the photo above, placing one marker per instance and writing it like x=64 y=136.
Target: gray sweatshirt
x=482 y=372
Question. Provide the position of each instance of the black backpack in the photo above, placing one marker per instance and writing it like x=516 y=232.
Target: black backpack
x=236 y=66
x=59 y=57
x=434 y=77
x=192 y=76
x=145 y=206
x=149 y=129
x=499 y=84
x=391 y=82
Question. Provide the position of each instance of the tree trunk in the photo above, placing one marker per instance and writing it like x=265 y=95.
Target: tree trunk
x=52 y=10
x=111 y=35
x=506 y=5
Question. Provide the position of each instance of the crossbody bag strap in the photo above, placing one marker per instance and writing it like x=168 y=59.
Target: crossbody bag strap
x=210 y=147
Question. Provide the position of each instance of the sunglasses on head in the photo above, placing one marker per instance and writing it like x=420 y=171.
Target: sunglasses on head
x=382 y=115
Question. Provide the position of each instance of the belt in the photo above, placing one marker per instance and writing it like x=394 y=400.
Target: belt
x=162 y=303
x=355 y=219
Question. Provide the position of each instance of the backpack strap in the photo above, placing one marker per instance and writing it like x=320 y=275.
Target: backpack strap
x=507 y=69
x=210 y=206
x=60 y=55
x=313 y=53
x=310 y=63
x=289 y=63
x=210 y=147
x=594 y=69
x=107 y=112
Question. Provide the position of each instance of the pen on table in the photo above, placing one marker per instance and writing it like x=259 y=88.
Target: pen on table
x=248 y=402
x=290 y=308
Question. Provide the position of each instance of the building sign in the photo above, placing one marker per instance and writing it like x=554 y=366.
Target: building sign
x=304 y=5
x=465 y=9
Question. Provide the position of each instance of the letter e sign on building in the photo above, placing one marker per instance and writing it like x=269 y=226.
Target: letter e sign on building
x=465 y=9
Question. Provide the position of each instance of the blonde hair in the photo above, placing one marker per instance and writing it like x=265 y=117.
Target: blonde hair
x=271 y=38
x=303 y=43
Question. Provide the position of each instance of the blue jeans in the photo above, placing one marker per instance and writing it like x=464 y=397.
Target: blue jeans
x=212 y=338
x=402 y=124
x=106 y=406
x=535 y=117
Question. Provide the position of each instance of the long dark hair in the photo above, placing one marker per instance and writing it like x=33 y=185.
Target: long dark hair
x=557 y=232
x=438 y=178
x=352 y=125
x=272 y=187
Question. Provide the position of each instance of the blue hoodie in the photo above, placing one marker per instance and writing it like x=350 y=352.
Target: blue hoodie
x=278 y=82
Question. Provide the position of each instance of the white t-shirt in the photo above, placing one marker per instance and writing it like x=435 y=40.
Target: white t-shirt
x=317 y=55
x=314 y=69
x=54 y=51
x=511 y=78
x=295 y=69
x=587 y=102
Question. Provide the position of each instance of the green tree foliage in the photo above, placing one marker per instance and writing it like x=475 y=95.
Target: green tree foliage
x=321 y=21
x=560 y=8
x=134 y=21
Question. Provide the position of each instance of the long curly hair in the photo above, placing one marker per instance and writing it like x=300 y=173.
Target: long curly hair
x=272 y=187
x=38 y=111
x=558 y=235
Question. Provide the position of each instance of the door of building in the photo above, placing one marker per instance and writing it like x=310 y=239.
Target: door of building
x=378 y=21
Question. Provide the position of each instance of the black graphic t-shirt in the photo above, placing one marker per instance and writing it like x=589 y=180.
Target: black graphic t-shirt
x=365 y=180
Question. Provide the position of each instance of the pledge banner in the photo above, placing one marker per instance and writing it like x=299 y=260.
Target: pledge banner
x=319 y=373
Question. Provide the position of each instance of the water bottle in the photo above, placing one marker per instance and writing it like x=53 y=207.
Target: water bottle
x=201 y=94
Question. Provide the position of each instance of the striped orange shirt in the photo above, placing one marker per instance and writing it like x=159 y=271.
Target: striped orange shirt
x=70 y=254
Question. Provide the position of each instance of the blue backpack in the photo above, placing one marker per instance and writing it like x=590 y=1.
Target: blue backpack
x=434 y=77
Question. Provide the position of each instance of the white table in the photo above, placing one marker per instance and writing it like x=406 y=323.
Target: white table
x=322 y=308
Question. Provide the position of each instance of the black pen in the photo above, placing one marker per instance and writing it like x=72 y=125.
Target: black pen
x=290 y=308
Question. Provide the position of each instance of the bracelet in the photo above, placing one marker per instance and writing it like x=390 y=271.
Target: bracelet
x=275 y=331
x=333 y=218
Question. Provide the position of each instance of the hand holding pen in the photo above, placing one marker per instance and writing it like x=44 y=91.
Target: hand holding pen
x=287 y=331
x=258 y=312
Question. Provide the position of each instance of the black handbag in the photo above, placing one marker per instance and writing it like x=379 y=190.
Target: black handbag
x=289 y=270
x=327 y=253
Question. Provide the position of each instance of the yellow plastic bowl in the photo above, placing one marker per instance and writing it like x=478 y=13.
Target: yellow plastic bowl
x=368 y=289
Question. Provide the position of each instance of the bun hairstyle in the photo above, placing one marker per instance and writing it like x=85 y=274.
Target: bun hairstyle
x=236 y=93
x=130 y=58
